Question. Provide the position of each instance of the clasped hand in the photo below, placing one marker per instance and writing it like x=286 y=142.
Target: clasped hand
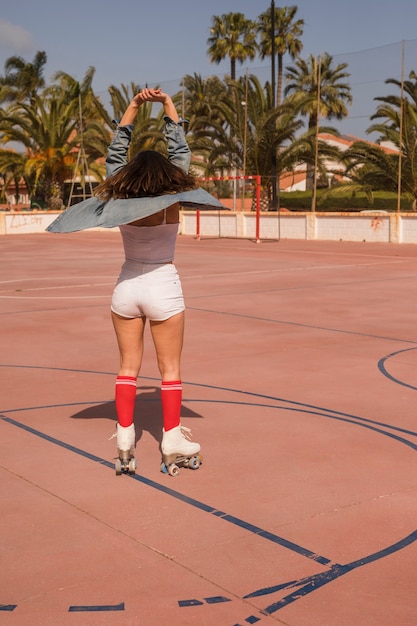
x=150 y=95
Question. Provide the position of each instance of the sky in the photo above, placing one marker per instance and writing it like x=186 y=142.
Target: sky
x=156 y=42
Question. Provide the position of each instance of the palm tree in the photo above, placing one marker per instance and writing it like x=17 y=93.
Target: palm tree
x=317 y=89
x=288 y=31
x=198 y=100
x=22 y=80
x=232 y=36
x=91 y=107
x=47 y=129
x=148 y=129
x=269 y=131
x=373 y=168
x=121 y=96
x=12 y=167
x=94 y=122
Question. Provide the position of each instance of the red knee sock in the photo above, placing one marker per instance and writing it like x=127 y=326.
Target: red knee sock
x=171 y=398
x=125 y=399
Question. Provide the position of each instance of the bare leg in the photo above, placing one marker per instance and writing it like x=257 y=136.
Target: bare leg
x=168 y=340
x=168 y=337
x=175 y=446
x=129 y=333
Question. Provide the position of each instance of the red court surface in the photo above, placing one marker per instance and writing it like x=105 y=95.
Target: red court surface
x=300 y=383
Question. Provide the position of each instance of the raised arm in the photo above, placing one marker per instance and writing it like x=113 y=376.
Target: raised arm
x=178 y=151
x=149 y=95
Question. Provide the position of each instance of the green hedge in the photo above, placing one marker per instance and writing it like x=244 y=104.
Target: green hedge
x=301 y=201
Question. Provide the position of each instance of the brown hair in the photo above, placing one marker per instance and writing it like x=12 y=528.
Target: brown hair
x=149 y=173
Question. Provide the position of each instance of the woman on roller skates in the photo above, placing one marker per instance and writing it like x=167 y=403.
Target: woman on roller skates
x=148 y=286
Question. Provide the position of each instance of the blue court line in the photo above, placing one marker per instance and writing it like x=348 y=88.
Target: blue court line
x=384 y=371
x=336 y=415
x=299 y=325
x=310 y=584
x=175 y=494
x=316 y=581
x=309 y=410
x=253 y=394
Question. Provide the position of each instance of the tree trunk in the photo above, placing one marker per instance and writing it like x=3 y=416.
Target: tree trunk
x=233 y=69
x=17 y=190
x=54 y=193
x=312 y=123
x=279 y=80
x=264 y=201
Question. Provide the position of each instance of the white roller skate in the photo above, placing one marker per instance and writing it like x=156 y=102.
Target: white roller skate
x=126 y=462
x=179 y=451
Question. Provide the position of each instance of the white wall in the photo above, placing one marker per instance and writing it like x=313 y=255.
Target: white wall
x=394 y=228
x=369 y=226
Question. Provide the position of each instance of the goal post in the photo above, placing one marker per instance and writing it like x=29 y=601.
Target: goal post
x=238 y=196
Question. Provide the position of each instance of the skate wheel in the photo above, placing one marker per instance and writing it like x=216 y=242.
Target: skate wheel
x=194 y=463
x=132 y=466
x=173 y=470
x=164 y=468
x=118 y=467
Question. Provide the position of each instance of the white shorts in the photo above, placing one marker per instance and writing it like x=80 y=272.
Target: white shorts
x=148 y=290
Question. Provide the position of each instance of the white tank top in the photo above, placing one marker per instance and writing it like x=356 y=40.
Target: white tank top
x=149 y=244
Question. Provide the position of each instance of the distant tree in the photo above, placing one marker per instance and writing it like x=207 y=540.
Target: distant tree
x=148 y=129
x=252 y=132
x=12 y=168
x=82 y=91
x=120 y=98
x=316 y=88
x=288 y=31
x=374 y=168
x=22 y=81
x=234 y=37
x=198 y=98
x=47 y=129
x=307 y=79
x=93 y=120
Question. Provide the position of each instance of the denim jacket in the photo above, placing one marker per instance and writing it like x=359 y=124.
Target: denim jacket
x=94 y=212
x=178 y=151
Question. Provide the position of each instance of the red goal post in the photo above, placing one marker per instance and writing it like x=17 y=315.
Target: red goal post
x=257 y=181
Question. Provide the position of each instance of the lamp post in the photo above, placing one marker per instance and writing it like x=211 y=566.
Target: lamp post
x=244 y=103
x=274 y=156
x=316 y=152
x=245 y=122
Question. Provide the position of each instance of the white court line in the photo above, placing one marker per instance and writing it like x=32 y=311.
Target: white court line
x=47 y=278
x=18 y=294
x=292 y=269
x=75 y=286
x=18 y=297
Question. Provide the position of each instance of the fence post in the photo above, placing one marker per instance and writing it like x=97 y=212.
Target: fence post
x=197 y=224
x=258 y=208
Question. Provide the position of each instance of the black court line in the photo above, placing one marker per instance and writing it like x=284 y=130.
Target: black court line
x=175 y=494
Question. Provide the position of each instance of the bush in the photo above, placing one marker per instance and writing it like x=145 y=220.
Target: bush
x=383 y=201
